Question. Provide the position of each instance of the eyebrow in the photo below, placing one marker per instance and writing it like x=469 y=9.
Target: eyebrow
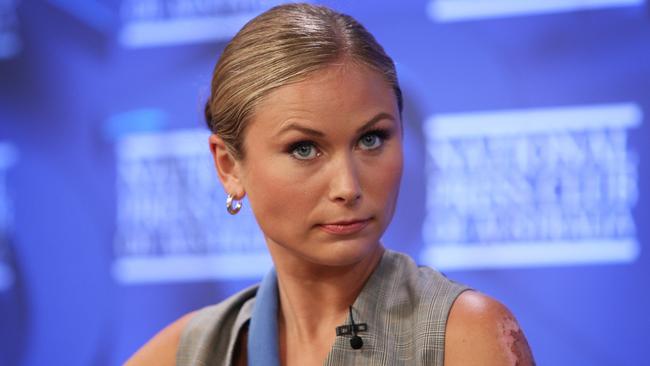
x=310 y=131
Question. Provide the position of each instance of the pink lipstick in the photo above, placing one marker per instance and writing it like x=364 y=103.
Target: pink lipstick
x=345 y=228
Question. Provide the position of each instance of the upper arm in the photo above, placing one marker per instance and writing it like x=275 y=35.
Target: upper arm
x=482 y=331
x=161 y=349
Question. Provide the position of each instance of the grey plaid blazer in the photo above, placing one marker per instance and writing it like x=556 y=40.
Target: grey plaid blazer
x=404 y=306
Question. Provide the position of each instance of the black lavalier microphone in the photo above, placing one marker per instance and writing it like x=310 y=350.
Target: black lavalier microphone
x=355 y=342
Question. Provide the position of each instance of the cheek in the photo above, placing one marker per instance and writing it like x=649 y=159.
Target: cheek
x=382 y=181
x=390 y=173
x=276 y=195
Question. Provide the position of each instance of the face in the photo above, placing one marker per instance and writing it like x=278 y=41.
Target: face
x=323 y=165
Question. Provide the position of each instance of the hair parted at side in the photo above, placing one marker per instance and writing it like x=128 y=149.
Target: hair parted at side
x=282 y=45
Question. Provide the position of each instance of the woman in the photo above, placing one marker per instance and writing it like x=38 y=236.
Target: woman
x=305 y=112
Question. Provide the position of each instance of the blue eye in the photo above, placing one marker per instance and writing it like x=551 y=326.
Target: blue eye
x=304 y=151
x=371 y=141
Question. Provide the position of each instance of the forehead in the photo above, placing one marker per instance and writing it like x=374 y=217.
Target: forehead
x=346 y=93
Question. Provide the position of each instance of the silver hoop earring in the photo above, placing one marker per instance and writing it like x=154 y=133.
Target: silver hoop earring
x=229 y=206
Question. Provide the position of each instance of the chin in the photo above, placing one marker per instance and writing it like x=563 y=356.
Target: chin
x=345 y=253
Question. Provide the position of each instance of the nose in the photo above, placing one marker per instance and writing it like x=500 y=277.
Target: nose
x=345 y=187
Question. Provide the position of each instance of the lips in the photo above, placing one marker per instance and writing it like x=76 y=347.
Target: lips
x=347 y=227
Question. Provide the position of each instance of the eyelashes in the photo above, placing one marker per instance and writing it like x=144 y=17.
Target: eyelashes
x=306 y=150
x=374 y=139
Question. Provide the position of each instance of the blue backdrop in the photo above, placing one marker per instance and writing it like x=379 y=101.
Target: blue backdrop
x=526 y=168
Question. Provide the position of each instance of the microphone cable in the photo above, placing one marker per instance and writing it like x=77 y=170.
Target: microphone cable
x=355 y=342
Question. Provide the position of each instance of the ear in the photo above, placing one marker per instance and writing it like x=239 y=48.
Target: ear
x=228 y=168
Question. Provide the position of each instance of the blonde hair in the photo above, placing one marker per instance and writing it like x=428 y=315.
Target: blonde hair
x=280 y=46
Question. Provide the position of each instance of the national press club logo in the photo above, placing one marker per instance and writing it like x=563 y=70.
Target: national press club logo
x=533 y=187
x=172 y=223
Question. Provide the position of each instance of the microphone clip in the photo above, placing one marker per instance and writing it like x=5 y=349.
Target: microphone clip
x=342 y=330
x=355 y=342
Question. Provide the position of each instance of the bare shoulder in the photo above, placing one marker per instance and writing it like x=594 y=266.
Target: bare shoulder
x=482 y=331
x=161 y=349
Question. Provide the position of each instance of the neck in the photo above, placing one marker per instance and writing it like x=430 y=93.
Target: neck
x=314 y=299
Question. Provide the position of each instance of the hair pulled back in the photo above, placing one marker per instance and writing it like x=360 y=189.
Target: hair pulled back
x=280 y=46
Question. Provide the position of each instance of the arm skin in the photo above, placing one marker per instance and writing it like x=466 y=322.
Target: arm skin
x=482 y=331
x=161 y=349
